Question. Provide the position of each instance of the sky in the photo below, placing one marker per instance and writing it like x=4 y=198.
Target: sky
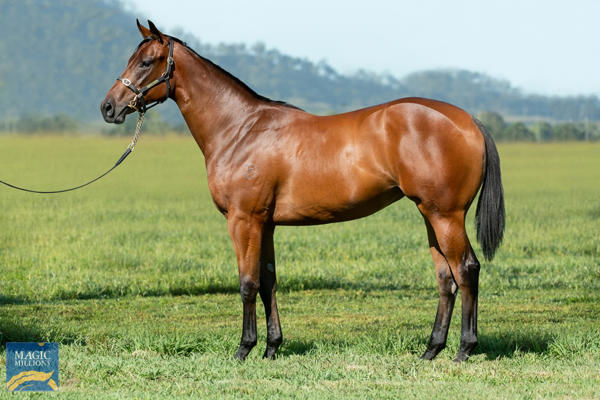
x=546 y=47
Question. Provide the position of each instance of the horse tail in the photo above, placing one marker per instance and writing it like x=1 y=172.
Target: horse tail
x=490 y=216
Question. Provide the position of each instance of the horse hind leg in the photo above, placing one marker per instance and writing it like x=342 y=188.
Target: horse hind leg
x=454 y=245
x=447 y=289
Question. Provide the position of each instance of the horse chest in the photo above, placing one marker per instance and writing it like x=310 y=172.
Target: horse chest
x=242 y=188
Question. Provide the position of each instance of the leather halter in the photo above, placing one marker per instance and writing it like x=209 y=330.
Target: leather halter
x=138 y=103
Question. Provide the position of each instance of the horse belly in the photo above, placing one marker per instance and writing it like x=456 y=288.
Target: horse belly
x=322 y=203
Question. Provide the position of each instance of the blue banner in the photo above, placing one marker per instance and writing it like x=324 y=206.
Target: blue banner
x=31 y=367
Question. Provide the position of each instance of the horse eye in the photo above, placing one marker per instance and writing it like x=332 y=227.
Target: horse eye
x=146 y=63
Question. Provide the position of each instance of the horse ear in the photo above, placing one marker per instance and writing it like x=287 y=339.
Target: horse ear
x=143 y=30
x=155 y=31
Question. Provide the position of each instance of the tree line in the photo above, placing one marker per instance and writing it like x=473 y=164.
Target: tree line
x=29 y=123
x=155 y=124
x=65 y=62
x=539 y=131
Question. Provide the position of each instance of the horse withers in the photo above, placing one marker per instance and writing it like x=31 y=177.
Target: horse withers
x=269 y=163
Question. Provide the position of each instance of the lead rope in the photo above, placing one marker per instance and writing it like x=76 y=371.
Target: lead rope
x=138 y=131
x=130 y=147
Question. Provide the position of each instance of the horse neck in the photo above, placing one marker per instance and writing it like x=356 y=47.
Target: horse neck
x=214 y=105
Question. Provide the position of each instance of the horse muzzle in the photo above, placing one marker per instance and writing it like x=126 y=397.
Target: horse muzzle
x=113 y=113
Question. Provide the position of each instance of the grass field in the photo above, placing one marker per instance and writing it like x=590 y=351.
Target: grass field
x=136 y=278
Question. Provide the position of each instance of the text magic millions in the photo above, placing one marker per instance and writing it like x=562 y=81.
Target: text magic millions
x=32 y=359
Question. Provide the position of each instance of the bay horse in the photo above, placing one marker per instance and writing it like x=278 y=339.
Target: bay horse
x=269 y=163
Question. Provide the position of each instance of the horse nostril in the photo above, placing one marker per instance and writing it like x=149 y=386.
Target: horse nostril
x=108 y=109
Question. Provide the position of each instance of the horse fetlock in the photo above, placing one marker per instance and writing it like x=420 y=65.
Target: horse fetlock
x=468 y=342
x=275 y=340
x=248 y=343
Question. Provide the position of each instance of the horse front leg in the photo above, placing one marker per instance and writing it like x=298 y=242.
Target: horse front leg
x=268 y=287
x=246 y=233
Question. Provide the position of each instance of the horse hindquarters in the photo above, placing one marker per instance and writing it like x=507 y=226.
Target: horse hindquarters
x=456 y=263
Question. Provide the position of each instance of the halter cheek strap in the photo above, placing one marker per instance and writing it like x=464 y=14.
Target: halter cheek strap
x=138 y=103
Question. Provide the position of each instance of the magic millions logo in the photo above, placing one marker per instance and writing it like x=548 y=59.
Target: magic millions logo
x=31 y=367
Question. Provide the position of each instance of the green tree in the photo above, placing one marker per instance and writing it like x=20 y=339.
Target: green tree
x=494 y=122
x=568 y=131
x=543 y=131
x=518 y=132
x=33 y=123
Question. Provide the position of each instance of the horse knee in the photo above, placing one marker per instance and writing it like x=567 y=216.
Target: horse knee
x=248 y=289
x=248 y=343
x=446 y=282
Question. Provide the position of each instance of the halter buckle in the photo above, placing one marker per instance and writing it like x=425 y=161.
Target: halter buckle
x=133 y=104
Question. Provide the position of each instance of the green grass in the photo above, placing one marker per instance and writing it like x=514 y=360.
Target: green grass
x=136 y=278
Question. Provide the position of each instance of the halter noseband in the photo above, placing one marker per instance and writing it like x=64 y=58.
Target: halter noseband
x=138 y=103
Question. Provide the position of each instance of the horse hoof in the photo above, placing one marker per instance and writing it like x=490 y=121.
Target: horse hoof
x=269 y=353
x=432 y=351
x=242 y=353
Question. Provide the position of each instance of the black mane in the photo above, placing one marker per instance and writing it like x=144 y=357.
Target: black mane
x=229 y=74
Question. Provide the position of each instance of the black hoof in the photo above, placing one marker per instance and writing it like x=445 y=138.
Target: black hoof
x=432 y=351
x=465 y=350
x=242 y=352
x=269 y=354
x=270 y=351
x=272 y=346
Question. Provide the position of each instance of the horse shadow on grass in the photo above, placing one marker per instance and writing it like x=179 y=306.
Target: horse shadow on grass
x=293 y=285
x=16 y=331
x=512 y=344
x=296 y=348
x=15 y=300
x=493 y=346
x=110 y=293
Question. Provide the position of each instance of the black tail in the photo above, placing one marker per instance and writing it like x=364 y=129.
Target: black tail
x=489 y=218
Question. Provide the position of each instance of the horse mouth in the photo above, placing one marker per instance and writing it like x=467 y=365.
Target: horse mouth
x=120 y=117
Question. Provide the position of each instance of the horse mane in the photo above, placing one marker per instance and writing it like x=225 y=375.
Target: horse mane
x=231 y=76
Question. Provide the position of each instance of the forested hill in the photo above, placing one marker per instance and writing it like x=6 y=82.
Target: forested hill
x=61 y=56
